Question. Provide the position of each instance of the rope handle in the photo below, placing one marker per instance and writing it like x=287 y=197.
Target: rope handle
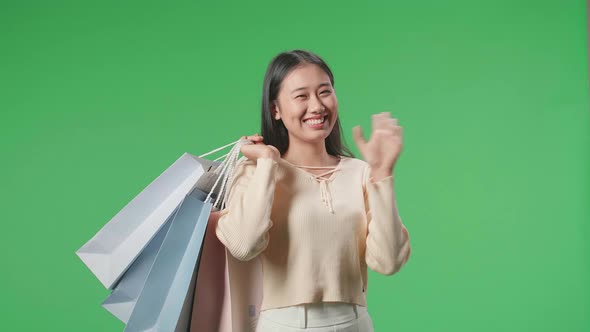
x=225 y=169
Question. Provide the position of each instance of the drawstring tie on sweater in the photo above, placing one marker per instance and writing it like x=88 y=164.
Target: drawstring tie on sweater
x=323 y=180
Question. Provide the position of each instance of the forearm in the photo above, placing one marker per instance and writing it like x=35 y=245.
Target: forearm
x=243 y=226
x=387 y=240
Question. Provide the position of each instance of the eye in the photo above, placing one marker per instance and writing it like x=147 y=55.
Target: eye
x=326 y=92
x=299 y=96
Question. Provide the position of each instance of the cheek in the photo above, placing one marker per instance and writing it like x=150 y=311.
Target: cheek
x=331 y=102
x=333 y=106
x=291 y=116
x=334 y=102
x=295 y=112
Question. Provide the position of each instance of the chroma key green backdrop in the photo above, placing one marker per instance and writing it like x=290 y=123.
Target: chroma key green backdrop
x=98 y=98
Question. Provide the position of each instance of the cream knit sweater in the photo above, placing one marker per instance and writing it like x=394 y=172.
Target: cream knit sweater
x=316 y=235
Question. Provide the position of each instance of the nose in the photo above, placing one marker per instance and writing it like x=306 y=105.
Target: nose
x=315 y=105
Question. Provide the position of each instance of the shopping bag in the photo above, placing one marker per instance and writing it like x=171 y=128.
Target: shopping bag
x=126 y=292
x=120 y=244
x=112 y=250
x=228 y=293
x=212 y=304
x=166 y=299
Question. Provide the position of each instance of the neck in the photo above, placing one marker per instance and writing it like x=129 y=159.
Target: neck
x=308 y=154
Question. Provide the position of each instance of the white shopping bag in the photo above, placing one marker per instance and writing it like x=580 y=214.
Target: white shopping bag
x=116 y=246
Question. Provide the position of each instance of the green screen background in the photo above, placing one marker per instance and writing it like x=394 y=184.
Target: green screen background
x=98 y=98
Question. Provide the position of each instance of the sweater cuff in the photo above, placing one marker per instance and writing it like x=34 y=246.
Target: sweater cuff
x=382 y=192
x=386 y=180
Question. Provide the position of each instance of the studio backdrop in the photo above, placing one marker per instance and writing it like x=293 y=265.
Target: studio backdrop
x=97 y=98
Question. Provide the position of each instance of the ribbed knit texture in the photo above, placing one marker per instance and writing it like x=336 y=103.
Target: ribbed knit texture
x=312 y=252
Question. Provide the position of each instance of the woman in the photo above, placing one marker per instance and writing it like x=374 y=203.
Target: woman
x=316 y=215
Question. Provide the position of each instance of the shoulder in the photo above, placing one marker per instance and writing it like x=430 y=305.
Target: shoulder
x=357 y=166
x=355 y=161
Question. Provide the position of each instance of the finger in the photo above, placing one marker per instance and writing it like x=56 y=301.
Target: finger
x=385 y=117
x=392 y=125
x=380 y=121
x=375 y=118
x=357 y=134
x=255 y=138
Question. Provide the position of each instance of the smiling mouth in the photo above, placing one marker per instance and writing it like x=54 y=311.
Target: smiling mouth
x=315 y=122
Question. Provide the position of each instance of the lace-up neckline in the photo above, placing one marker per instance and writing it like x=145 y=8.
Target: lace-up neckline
x=323 y=179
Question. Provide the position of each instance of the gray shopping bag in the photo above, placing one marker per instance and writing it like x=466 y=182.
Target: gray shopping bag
x=166 y=298
x=126 y=292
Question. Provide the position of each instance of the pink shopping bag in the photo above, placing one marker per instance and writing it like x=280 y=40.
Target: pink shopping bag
x=228 y=292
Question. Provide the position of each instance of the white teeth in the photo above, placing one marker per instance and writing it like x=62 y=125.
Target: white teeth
x=315 y=121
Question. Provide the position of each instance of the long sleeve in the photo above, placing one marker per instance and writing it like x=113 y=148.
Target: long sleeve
x=243 y=225
x=388 y=240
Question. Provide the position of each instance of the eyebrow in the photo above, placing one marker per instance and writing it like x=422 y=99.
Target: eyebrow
x=304 y=87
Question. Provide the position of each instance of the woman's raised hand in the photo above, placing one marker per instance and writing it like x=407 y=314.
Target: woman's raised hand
x=259 y=149
x=385 y=145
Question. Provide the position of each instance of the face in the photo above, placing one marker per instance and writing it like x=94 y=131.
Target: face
x=307 y=104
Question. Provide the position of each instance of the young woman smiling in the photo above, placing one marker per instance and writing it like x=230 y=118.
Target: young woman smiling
x=317 y=216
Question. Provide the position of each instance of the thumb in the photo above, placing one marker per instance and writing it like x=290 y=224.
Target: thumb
x=357 y=134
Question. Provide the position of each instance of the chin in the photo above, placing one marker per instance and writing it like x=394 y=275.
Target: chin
x=317 y=136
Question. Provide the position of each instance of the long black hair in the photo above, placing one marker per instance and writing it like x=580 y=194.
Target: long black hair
x=274 y=131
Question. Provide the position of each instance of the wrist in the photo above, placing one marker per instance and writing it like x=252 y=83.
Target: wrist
x=269 y=155
x=380 y=174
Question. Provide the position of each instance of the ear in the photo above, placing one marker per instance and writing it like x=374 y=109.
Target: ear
x=274 y=109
